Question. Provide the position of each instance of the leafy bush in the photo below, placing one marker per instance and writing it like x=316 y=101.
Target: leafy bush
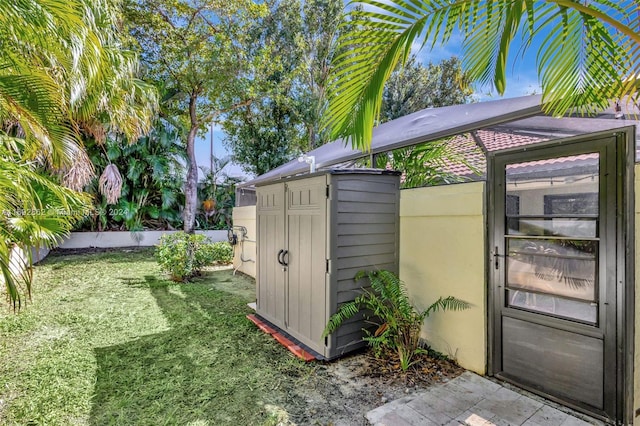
x=184 y=255
x=152 y=179
x=222 y=252
x=387 y=305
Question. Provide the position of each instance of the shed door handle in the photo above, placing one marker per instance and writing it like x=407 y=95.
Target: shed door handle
x=280 y=261
x=285 y=262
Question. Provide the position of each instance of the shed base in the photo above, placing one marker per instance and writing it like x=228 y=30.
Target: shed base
x=295 y=347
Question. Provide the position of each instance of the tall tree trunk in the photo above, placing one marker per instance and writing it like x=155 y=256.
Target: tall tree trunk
x=191 y=184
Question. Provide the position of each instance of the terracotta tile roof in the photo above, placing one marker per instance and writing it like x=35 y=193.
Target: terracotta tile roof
x=468 y=149
x=464 y=147
x=496 y=141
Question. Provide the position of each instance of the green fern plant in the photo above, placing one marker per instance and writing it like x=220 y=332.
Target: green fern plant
x=386 y=304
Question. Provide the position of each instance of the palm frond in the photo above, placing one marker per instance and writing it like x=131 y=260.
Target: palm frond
x=34 y=212
x=588 y=55
x=13 y=266
x=371 y=52
x=79 y=175
x=62 y=64
x=32 y=96
x=111 y=184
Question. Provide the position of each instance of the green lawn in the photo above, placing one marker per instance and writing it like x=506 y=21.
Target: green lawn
x=108 y=340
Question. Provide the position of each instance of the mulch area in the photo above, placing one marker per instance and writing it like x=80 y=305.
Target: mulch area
x=427 y=369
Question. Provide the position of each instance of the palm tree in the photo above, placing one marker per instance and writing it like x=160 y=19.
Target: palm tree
x=588 y=52
x=62 y=72
x=35 y=212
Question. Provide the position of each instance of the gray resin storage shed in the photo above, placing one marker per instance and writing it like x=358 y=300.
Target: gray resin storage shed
x=314 y=233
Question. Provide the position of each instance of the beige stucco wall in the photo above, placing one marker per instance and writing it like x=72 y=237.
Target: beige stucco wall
x=442 y=253
x=245 y=249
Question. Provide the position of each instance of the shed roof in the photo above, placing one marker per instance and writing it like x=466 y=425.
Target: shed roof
x=508 y=123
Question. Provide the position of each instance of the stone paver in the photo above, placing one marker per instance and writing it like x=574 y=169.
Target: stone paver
x=546 y=416
x=471 y=400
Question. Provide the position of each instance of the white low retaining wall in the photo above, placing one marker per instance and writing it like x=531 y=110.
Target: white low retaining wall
x=19 y=261
x=114 y=239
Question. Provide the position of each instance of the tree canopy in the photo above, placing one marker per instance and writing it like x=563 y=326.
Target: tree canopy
x=415 y=87
x=194 y=51
x=286 y=119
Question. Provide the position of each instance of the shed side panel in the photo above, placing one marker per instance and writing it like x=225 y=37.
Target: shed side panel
x=366 y=224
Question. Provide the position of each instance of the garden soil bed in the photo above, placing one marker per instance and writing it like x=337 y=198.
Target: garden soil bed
x=343 y=391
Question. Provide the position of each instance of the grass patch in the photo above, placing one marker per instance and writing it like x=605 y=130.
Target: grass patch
x=108 y=340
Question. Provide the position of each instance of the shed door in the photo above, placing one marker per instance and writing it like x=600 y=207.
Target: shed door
x=271 y=236
x=554 y=272
x=307 y=260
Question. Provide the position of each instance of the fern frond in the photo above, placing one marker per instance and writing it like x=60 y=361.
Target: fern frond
x=398 y=323
x=446 y=304
x=345 y=311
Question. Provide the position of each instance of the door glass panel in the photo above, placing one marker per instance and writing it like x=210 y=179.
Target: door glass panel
x=570 y=185
x=552 y=238
x=571 y=204
x=555 y=306
x=555 y=226
x=550 y=266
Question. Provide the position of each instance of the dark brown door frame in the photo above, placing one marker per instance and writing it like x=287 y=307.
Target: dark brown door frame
x=624 y=154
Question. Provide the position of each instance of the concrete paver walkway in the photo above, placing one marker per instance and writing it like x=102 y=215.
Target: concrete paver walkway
x=470 y=399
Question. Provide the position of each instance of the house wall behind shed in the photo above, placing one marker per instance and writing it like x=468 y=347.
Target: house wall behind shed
x=245 y=216
x=442 y=253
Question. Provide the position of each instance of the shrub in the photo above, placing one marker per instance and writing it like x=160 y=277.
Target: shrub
x=387 y=305
x=222 y=252
x=184 y=255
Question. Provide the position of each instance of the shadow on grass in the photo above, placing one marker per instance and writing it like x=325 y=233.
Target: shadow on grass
x=213 y=366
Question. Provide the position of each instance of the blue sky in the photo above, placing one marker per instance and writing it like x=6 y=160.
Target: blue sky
x=522 y=79
x=203 y=150
x=522 y=76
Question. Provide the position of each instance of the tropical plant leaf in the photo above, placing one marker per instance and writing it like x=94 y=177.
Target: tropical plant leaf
x=588 y=55
x=34 y=212
x=446 y=304
x=345 y=311
x=386 y=304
